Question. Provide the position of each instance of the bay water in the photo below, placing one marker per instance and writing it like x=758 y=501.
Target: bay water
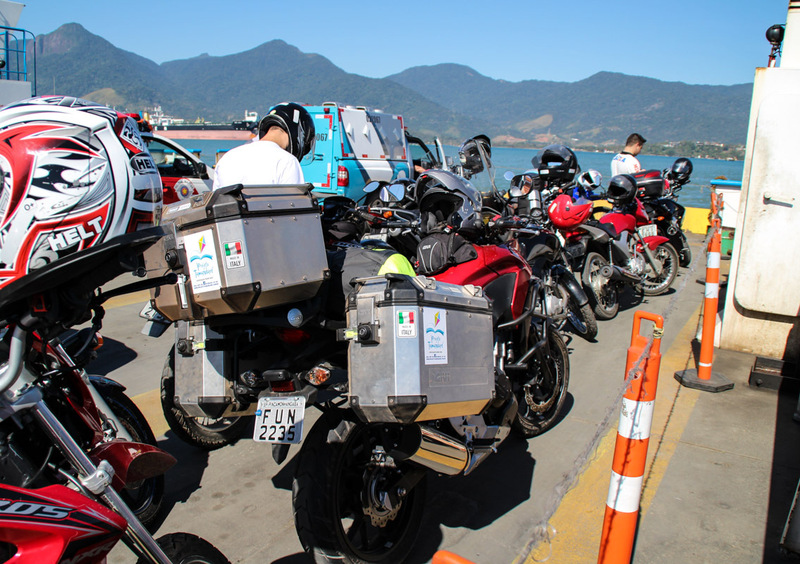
x=695 y=194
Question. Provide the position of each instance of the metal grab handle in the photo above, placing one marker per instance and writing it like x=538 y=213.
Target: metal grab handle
x=11 y=369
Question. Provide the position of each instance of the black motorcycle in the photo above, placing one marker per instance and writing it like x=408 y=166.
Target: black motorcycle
x=658 y=192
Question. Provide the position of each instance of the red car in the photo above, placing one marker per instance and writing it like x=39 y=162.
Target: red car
x=182 y=172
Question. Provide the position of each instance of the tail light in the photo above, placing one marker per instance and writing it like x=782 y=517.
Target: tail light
x=292 y=336
x=342 y=176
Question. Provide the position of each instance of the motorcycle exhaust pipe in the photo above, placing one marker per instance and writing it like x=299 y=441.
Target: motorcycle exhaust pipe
x=614 y=272
x=437 y=451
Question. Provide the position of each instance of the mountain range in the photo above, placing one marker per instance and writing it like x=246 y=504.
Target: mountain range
x=448 y=100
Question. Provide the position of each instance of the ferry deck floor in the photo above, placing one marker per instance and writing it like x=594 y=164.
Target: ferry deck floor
x=721 y=474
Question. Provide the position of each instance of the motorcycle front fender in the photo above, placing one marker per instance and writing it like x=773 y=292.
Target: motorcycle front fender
x=132 y=462
x=652 y=242
x=568 y=279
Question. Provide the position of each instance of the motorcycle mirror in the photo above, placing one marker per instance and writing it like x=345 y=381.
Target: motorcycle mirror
x=392 y=193
x=371 y=186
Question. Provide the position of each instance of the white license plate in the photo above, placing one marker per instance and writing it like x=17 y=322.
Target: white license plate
x=279 y=419
x=648 y=230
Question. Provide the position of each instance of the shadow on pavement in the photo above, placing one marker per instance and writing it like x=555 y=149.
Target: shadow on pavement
x=111 y=356
x=184 y=478
x=785 y=475
x=498 y=485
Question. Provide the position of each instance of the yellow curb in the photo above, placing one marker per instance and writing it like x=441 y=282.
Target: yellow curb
x=577 y=523
x=695 y=220
x=149 y=403
x=139 y=297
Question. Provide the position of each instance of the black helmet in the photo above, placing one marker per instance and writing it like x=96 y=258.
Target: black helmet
x=556 y=164
x=340 y=222
x=295 y=120
x=446 y=199
x=681 y=170
x=621 y=189
x=473 y=151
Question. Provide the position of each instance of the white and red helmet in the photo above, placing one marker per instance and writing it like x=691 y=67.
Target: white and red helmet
x=74 y=174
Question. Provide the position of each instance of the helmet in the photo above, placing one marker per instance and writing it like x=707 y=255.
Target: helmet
x=590 y=180
x=557 y=164
x=74 y=175
x=566 y=214
x=681 y=170
x=473 y=151
x=339 y=220
x=446 y=199
x=621 y=189
x=295 y=120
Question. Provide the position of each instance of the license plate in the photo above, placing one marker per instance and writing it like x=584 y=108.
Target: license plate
x=279 y=420
x=648 y=230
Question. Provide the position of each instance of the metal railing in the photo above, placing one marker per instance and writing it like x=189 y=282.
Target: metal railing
x=14 y=45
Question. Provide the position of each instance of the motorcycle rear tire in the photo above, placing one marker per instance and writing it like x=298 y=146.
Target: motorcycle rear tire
x=604 y=296
x=669 y=262
x=205 y=433
x=529 y=422
x=327 y=492
x=145 y=499
x=185 y=548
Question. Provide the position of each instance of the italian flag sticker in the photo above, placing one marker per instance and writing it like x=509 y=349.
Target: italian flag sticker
x=406 y=324
x=234 y=257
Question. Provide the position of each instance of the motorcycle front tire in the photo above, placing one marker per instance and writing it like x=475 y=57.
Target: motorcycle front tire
x=540 y=412
x=205 y=433
x=185 y=548
x=333 y=476
x=145 y=498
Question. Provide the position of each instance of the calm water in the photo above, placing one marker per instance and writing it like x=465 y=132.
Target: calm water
x=694 y=194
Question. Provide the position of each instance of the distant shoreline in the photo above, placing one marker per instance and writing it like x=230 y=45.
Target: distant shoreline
x=211 y=134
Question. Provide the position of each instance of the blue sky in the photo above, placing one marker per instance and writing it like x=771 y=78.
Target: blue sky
x=697 y=42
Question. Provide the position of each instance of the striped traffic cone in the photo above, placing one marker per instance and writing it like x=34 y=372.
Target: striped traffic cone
x=702 y=378
x=630 y=453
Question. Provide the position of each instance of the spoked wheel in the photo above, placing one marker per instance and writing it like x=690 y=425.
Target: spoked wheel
x=603 y=294
x=653 y=285
x=203 y=432
x=145 y=497
x=542 y=396
x=183 y=548
x=581 y=318
x=348 y=506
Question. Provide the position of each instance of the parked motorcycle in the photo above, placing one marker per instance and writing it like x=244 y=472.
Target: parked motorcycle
x=70 y=444
x=78 y=461
x=563 y=298
x=658 y=192
x=328 y=328
x=622 y=248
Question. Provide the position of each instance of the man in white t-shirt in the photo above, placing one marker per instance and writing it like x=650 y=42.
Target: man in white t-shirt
x=625 y=162
x=286 y=135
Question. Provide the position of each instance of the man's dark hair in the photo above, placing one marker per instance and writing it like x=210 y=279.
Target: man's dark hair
x=635 y=139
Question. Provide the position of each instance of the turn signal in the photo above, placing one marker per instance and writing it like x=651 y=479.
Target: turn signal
x=318 y=375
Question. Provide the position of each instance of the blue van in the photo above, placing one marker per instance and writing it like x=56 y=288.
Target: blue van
x=354 y=146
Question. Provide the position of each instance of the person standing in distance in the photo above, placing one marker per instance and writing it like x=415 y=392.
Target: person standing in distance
x=625 y=162
x=285 y=135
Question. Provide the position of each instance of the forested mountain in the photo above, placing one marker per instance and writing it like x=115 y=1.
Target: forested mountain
x=452 y=101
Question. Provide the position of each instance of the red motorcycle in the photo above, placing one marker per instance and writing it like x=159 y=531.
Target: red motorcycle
x=622 y=248
x=529 y=352
x=77 y=459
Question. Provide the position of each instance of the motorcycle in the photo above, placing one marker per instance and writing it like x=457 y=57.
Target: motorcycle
x=563 y=299
x=658 y=192
x=70 y=445
x=321 y=330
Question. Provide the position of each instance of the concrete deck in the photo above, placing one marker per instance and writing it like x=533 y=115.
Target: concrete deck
x=723 y=467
